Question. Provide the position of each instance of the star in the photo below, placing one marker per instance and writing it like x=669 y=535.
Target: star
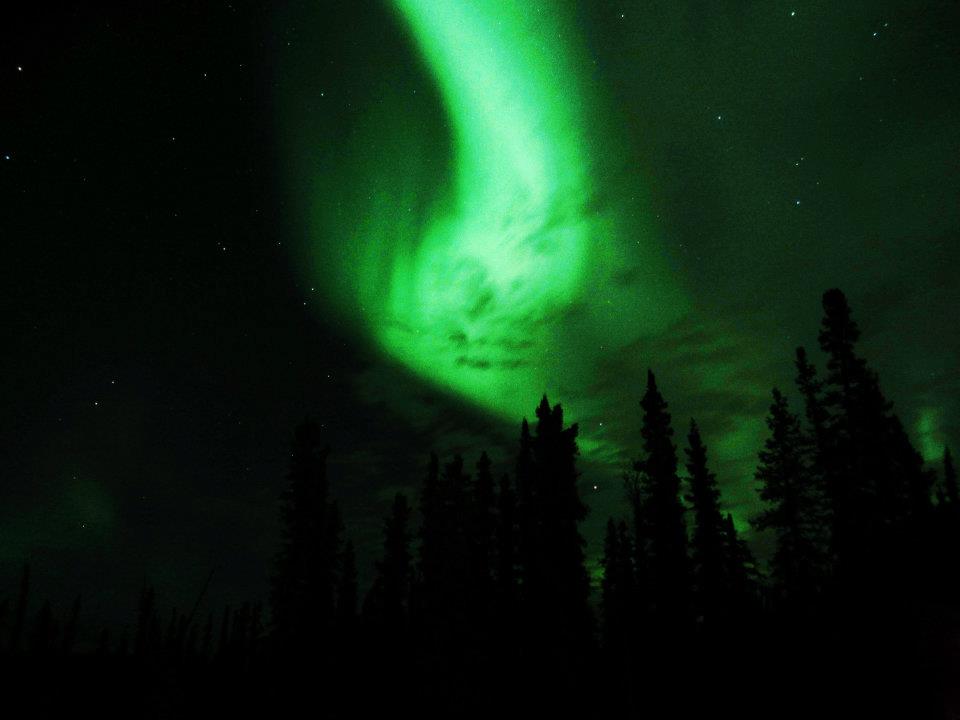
x=19 y=68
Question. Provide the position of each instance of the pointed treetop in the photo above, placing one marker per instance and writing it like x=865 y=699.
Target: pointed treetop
x=838 y=330
x=694 y=434
x=524 y=430
x=805 y=370
x=484 y=462
x=697 y=452
x=543 y=409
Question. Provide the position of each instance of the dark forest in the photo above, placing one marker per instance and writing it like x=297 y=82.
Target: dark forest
x=482 y=606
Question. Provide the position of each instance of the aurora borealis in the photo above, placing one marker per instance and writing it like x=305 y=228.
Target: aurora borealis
x=507 y=279
x=410 y=219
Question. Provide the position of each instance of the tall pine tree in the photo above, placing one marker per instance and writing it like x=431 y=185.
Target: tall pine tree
x=554 y=582
x=663 y=511
x=791 y=513
x=877 y=487
x=708 y=550
x=306 y=570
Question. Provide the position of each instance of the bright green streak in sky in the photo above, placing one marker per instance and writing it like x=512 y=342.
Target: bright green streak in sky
x=503 y=283
x=507 y=249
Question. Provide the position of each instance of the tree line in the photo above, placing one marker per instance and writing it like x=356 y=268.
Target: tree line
x=481 y=601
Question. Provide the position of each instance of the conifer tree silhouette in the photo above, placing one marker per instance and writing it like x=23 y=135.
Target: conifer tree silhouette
x=304 y=581
x=741 y=569
x=481 y=539
x=877 y=485
x=709 y=554
x=635 y=490
x=388 y=600
x=554 y=583
x=617 y=601
x=786 y=489
x=457 y=597
x=816 y=449
x=445 y=592
x=663 y=512
x=506 y=556
x=430 y=576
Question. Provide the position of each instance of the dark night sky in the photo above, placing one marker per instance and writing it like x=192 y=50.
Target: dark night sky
x=161 y=339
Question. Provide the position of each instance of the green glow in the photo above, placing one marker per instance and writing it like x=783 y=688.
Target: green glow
x=928 y=433
x=503 y=278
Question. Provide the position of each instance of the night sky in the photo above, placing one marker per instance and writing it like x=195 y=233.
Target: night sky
x=409 y=220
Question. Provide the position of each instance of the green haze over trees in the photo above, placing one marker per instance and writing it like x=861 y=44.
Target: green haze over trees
x=481 y=602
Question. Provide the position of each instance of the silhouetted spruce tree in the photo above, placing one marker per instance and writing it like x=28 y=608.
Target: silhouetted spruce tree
x=852 y=423
x=709 y=561
x=387 y=603
x=526 y=511
x=816 y=448
x=640 y=542
x=481 y=538
x=451 y=594
x=742 y=572
x=554 y=583
x=876 y=485
x=305 y=576
x=609 y=586
x=617 y=601
x=663 y=512
x=506 y=558
x=627 y=577
x=911 y=499
x=427 y=593
x=811 y=389
x=458 y=586
x=791 y=513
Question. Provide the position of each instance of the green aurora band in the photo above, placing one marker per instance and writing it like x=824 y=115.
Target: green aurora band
x=532 y=258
